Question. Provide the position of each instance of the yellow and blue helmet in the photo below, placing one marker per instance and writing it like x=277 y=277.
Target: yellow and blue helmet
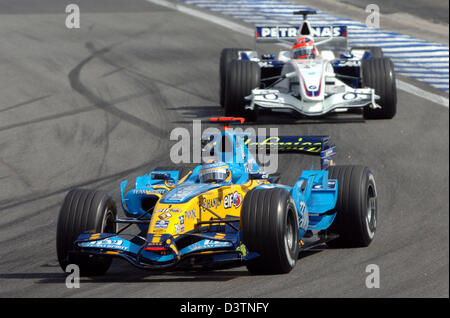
x=215 y=172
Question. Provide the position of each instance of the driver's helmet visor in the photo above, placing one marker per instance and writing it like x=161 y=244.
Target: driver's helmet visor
x=303 y=53
x=214 y=175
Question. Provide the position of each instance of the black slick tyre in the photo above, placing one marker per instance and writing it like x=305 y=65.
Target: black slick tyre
x=242 y=78
x=356 y=207
x=379 y=74
x=270 y=228
x=226 y=56
x=84 y=211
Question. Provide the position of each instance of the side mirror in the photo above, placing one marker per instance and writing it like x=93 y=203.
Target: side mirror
x=272 y=178
x=161 y=176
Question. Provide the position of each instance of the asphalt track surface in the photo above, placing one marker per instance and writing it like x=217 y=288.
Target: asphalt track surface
x=91 y=107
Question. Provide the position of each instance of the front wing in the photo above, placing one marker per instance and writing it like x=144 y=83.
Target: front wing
x=274 y=99
x=160 y=252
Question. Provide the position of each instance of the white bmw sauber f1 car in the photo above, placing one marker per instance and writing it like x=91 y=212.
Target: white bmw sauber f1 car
x=307 y=81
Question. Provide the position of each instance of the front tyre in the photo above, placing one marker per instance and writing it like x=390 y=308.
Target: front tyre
x=82 y=211
x=379 y=74
x=356 y=207
x=242 y=78
x=270 y=228
x=226 y=56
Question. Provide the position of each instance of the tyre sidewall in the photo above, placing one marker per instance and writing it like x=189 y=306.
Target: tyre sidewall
x=84 y=211
x=286 y=212
x=368 y=229
x=379 y=74
x=226 y=56
x=355 y=183
x=242 y=77
x=264 y=218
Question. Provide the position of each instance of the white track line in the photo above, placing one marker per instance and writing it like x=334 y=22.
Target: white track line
x=422 y=93
x=440 y=100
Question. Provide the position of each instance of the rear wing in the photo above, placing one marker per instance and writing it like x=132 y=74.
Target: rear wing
x=330 y=35
x=314 y=145
x=325 y=35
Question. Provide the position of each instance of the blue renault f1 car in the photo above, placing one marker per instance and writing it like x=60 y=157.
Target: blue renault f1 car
x=226 y=212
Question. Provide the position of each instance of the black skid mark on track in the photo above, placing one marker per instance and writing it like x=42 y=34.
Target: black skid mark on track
x=148 y=80
x=78 y=86
x=99 y=181
x=148 y=85
x=109 y=128
x=19 y=220
x=77 y=111
x=28 y=102
x=17 y=172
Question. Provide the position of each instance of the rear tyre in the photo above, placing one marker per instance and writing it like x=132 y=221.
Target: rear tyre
x=226 y=56
x=270 y=228
x=242 y=78
x=379 y=74
x=83 y=211
x=375 y=51
x=356 y=206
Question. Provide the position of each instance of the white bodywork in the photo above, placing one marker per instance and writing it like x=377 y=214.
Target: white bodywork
x=311 y=88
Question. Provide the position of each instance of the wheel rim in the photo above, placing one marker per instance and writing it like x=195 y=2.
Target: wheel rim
x=371 y=215
x=289 y=237
x=108 y=225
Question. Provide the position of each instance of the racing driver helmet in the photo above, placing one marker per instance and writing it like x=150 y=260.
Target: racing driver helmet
x=215 y=172
x=304 y=48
